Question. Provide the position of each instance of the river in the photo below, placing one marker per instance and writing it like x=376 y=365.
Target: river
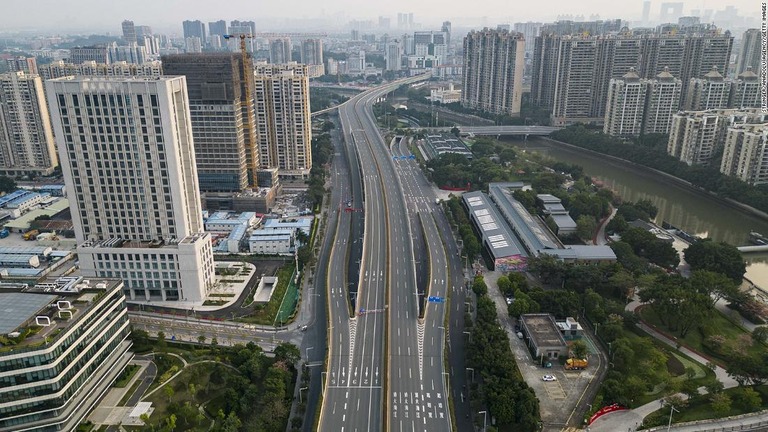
x=694 y=212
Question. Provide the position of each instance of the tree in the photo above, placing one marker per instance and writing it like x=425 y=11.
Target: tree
x=201 y=339
x=145 y=419
x=579 y=349
x=7 y=184
x=505 y=286
x=161 y=339
x=305 y=255
x=232 y=423
x=760 y=334
x=287 y=352
x=717 y=257
x=192 y=389
x=586 y=227
x=720 y=402
x=714 y=285
x=748 y=398
x=169 y=392
x=479 y=286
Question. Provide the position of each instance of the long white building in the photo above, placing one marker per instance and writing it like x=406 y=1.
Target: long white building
x=26 y=138
x=128 y=161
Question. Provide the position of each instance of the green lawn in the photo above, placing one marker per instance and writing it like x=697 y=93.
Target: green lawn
x=717 y=324
x=701 y=409
x=265 y=314
x=126 y=375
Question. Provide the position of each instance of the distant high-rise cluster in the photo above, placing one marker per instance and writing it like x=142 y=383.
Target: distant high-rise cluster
x=572 y=73
x=493 y=71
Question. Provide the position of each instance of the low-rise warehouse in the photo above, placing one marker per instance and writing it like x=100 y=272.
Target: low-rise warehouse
x=435 y=146
x=543 y=336
x=501 y=245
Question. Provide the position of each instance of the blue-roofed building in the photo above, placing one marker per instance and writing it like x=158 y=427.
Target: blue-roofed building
x=504 y=249
x=57 y=190
x=233 y=242
x=276 y=241
x=225 y=222
x=5 y=199
x=304 y=224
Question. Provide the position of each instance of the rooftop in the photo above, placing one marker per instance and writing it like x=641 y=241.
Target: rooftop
x=42 y=312
x=543 y=330
x=493 y=229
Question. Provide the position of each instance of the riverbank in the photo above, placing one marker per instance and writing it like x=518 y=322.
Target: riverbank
x=678 y=181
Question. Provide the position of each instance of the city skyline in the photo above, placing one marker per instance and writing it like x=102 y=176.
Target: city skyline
x=91 y=15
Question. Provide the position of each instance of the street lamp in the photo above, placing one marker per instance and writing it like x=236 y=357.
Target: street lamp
x=470 y=335
x=303 y=388
x=307 y=351
x=485 y=419
x=671 y=410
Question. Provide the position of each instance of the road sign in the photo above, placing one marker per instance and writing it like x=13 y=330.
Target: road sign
x=436 y=299
x=412 y=157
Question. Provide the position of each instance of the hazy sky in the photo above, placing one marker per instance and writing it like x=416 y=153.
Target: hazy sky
x=166 y=15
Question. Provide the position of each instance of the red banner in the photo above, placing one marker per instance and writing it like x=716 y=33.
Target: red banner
x=605 y=410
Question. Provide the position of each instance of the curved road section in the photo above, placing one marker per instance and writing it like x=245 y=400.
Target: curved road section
x=368 y=348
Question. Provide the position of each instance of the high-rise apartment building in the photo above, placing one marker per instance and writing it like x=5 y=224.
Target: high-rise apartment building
x=571 y=72
x=393 y=56
x=129 y=32
x=222 y=119
x=750 y=52
x=58 y=69
x=695 y=136
x=128 y=159
x=193 y=45
x=237 y=27
x=664 y=95
x=218 y=28
x=746 y=153
x=530 y=31
x=745 y=91
x=626 y=105
x=446 y=29
x=27 y=146
x=641 y=106
x=312 y=51
x=194 y=28
x=142 y=32
x=280 y=50
x=493 y=71
x=284 y=126
x=98 y=54
x=28 y=65
x=131 y=53
x=430 y=43
x=709 y=92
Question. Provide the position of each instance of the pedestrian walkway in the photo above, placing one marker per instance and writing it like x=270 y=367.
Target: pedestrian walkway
x=109 y=411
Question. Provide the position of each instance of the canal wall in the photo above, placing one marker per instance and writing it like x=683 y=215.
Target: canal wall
x=677 y=180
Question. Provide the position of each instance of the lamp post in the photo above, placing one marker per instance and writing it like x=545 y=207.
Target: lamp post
x=307 y=351
x=485 y=419
x=470 y=335
x=473 y=373
x=303 y=388
x=671 y=410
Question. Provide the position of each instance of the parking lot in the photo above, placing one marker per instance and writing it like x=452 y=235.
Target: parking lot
x=557 y=398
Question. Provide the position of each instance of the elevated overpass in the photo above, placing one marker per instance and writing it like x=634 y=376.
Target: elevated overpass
x=499 y=130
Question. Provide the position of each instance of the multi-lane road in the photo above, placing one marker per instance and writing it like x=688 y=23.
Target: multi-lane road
x=382 y=345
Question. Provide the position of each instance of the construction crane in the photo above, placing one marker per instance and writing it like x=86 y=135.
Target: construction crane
x=245 y=103
x=266 y=35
